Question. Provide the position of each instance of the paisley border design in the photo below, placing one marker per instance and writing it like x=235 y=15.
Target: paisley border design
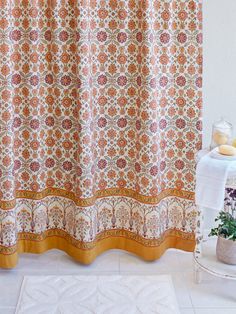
x=5 y=205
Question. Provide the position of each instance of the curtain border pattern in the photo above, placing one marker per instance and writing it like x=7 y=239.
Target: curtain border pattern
x=86 y=252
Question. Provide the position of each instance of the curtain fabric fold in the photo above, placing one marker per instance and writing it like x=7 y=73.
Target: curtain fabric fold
x=100 y=119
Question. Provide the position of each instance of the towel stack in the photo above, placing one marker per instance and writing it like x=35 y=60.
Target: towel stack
x=211 y=178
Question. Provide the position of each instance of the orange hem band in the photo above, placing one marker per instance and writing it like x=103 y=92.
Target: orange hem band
x=88 y=255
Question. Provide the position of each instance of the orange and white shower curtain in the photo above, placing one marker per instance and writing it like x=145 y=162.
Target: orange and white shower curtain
x=99 y=123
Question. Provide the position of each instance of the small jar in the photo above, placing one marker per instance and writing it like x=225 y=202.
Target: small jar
x=222 y=132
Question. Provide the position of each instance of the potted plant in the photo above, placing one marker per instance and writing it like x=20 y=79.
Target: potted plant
x=226 y=242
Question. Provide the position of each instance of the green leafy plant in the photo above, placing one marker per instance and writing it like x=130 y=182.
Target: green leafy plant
x=226 y=227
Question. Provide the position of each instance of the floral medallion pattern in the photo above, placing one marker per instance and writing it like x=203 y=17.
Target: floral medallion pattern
x=100 y=117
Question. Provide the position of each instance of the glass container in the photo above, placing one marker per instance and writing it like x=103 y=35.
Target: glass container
x=222 y=132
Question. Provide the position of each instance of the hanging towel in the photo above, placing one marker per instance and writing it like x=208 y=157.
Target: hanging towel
x=211 y=177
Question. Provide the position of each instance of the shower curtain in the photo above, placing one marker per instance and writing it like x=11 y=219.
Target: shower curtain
x=100 y=119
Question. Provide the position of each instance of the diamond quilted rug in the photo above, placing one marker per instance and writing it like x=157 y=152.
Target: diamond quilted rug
x=97 y=295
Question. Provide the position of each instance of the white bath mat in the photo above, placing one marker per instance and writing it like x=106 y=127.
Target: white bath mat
x=97 y=295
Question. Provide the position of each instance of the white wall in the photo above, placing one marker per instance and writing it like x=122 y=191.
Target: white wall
x=219 y=77
x=219 y=70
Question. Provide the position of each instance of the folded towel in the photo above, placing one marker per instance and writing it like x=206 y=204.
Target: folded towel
x=211 y=178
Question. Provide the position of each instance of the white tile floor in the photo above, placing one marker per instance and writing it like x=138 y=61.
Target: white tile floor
x=212 y=296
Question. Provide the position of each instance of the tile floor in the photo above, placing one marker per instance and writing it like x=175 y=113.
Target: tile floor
x=212 y=296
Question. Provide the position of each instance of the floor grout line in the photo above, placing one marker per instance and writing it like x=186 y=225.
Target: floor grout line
x=191 y=299
x=214 y=307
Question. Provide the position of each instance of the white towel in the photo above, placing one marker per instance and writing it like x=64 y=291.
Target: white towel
x=211 y=178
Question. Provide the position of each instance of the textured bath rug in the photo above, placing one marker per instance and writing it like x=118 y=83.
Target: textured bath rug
x=97 y=295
